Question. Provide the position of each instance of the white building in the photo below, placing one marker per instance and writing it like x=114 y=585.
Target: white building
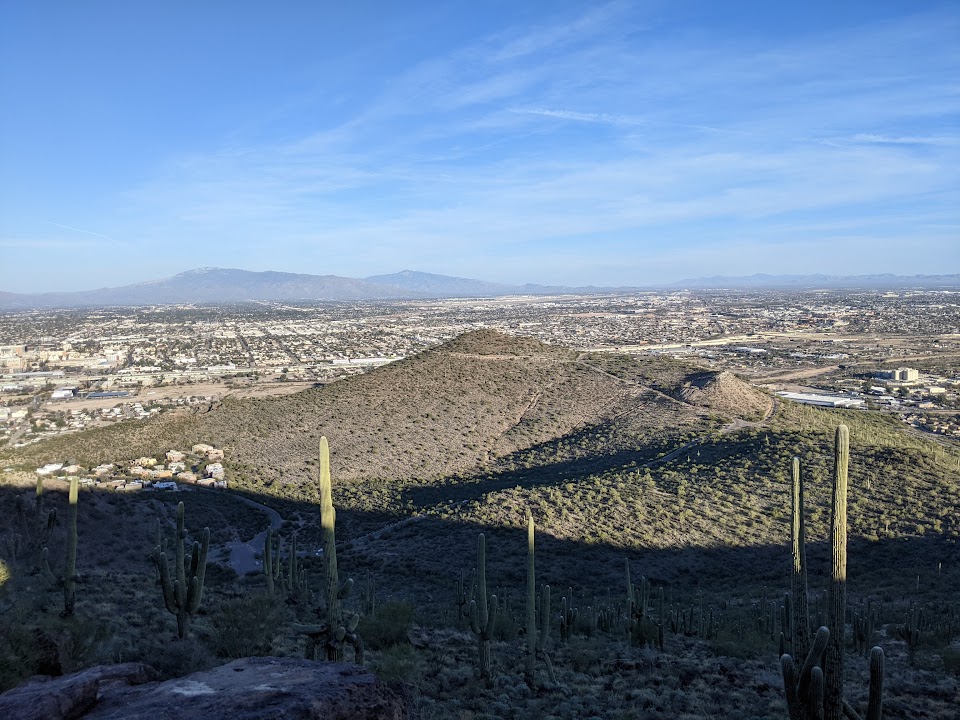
x=823 y=400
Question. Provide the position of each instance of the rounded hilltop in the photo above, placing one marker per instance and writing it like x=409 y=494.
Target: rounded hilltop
x=725 y=393
x=494 y=342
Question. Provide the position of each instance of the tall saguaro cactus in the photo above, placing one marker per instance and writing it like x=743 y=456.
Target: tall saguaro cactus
x=271 y=562
x=335 y=632
x=68 y=581
x=483 y=612
x=837 y=609
x=182 y=596
x=816 y=692
x=538 y=627
x=799 y=612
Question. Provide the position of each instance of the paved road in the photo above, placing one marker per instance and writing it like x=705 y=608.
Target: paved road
x=243 y=554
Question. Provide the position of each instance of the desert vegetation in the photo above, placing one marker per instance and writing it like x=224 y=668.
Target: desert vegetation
x=661 y=499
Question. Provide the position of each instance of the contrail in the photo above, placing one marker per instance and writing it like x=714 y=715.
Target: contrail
x=80 y=230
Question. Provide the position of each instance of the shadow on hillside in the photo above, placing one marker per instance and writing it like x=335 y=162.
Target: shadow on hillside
x=419 y=557
x=531 y=468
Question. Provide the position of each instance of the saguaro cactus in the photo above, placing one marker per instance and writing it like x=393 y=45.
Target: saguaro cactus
x=538 y=627
x=798 y=615
x=271 y=562
x=817 y=692
x=334 y=633
x=182 y=596
x=483 y=612
x=568 y=615
x=464 y=594
x=68 y=581
x=836 y=618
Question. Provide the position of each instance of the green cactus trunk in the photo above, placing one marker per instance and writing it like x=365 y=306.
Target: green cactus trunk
x=268 y=563
x=483 y=613
x=335 y=633
x=531 y=659
x=833 y=672
x=817 y=692
x=67 y=581
x=70 y=575
x=799 y=615
x=328 y=521
x=538 y=623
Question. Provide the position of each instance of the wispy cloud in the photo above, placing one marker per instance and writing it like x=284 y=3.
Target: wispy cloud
x=665 y=145
x=905 y=140
x=590 y=117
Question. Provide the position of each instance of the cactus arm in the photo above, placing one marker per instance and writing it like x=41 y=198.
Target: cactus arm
x=201 y=573
x=814 y=659
x=474 y=618
x=268 y=562
x=816 y=694
x=789 y=670
x=45 y=566
x=169 y=598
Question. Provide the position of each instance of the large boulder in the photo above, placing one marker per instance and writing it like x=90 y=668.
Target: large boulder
x=69 y=696
x=246 y=689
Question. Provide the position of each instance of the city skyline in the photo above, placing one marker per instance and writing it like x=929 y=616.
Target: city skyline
x=623 y=144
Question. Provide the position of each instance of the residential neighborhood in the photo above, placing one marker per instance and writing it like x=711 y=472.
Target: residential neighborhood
x=200 y=466
x=65 y=371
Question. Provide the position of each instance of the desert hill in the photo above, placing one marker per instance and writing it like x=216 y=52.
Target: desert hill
x=480 y=402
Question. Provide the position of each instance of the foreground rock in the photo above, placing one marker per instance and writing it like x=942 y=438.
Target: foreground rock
x=70 y=696
x=246 y=689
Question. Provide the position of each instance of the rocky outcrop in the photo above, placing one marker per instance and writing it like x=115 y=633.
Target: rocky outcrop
x=70 y=696
x=246 y=689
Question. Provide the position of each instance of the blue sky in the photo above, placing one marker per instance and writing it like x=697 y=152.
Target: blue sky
x=551 y=142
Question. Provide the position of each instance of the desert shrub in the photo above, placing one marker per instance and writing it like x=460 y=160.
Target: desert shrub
x=219 y=575
x=182 y=657
x=587 y=655
x=20 y=654
x=389 y=625
x=245 y=626
x=506 y=626
x=951 y=659
x=397 y=664
x=32 y=644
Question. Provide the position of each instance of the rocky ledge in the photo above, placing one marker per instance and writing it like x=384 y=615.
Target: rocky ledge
x=246 y=689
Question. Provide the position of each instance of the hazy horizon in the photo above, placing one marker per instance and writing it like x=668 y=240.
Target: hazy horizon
x=663 y=284
x=557 y=144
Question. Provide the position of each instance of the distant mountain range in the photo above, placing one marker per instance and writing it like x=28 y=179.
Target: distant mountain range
x=224 y=285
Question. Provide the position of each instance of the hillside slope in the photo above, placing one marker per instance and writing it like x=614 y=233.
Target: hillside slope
x=478 y=403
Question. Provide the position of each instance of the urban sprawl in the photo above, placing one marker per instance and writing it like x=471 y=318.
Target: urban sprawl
x=64 y=371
